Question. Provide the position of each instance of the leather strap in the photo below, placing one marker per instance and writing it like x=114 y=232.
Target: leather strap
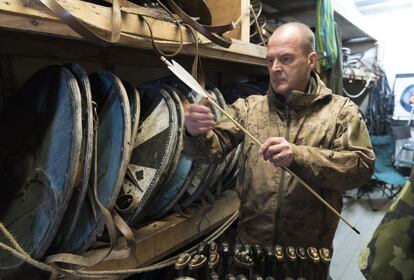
x=198 y=9
x=196 y=69
x=78 y=26
x=71 y=259
x=106 y=214
x=112 y=220
x=126 y=231
x=221 y=41
x=220 y=29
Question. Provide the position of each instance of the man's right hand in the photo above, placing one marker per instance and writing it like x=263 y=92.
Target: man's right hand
x=198 y=119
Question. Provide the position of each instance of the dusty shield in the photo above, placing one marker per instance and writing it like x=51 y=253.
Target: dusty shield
x=111 y=155
x=152 y=155
x=39 y=154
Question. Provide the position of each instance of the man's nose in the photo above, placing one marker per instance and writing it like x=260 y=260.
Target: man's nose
x=276 y=66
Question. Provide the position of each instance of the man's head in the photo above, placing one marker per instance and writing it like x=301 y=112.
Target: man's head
x=290 y=57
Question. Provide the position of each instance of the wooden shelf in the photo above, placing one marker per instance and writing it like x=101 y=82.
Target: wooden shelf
x=163 y=237
x=36 y=18
x=23 y=24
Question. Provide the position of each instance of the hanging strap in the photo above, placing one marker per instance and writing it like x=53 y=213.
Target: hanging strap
x=112 y=220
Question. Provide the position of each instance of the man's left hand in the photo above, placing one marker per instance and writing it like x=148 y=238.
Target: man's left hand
x=278 y=151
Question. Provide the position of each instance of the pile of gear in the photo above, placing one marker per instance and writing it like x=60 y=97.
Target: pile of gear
x=82 y=153
x=244 y=261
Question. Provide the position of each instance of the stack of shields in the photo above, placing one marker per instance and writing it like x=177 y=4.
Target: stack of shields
x=81 y=149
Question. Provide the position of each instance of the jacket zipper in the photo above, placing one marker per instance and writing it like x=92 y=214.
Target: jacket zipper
x=276 y=235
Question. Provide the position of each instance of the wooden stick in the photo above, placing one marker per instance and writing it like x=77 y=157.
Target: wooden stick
x=303 y=183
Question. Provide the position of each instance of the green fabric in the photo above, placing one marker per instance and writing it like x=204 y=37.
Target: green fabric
x=390 y=252
x=326 y=43
x=335 y=74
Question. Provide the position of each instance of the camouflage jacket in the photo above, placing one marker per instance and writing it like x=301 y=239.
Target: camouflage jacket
x=332 y=153
x=390 y=252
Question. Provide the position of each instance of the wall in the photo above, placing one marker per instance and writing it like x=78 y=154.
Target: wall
x=396 y=43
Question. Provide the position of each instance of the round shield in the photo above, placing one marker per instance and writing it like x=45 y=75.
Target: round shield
x=135 y=107
x=222 y=165
x=38 y=161
x=152 y=154
x=73 y=210
x=112 y=153
x=217 y=182
x=186 y=169
x=172 y=188
x=179 y=145
x=203 y=173
x=199 y=172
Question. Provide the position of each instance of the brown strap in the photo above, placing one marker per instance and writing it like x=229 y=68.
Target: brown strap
x=78 y=26
x=197 y=69
x=126 y=231
x=221 y=41
x=71 y=259
x=220 y=29
x=112 y=221
x=106 y=214
x=154 y=45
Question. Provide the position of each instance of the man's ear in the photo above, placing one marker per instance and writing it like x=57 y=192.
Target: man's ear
x=312 y=59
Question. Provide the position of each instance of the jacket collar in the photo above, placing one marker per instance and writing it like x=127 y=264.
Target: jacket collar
x=297 y=99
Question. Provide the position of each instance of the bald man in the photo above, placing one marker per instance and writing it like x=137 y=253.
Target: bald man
x=318 y=135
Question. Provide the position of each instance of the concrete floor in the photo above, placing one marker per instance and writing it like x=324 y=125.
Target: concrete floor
x=347 y=244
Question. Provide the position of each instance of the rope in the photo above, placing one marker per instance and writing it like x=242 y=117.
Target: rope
x=24 y=256
x=154 y=44
x=167 y=262
x=21 y=254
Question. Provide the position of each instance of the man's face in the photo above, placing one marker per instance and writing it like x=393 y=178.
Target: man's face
x=289 y=68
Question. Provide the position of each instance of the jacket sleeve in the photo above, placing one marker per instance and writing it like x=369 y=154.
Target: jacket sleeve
x=219 y=141
x=350 y=161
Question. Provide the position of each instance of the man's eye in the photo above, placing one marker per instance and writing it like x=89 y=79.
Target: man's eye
x=286 y=59
x=270 y=61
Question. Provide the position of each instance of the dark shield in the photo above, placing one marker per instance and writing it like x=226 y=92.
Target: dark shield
x=203 y=173
x=224 y=168
x=135 y=107
x=82 y=178
x=112 y=154
x=171 y=190
x=152 y=155
x=39 y=153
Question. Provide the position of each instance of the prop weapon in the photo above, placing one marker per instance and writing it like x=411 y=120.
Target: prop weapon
x=185 y=77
